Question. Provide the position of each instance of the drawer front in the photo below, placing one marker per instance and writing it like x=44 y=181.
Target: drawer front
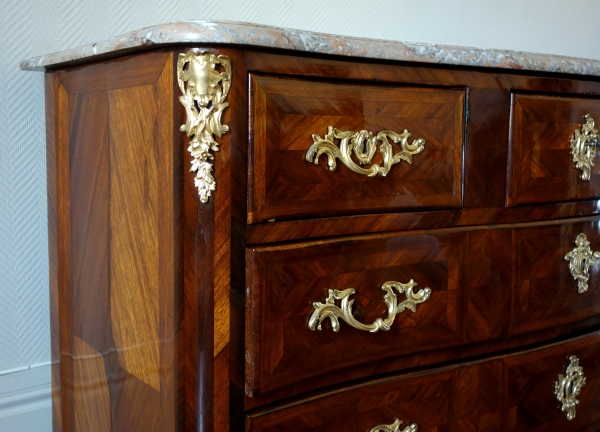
x=290 y=286
x=295 y=123
x=551 y=290
x=541 y=167
x=423 y=401
x=555 y=388
x=534 y=401
x=485 y=285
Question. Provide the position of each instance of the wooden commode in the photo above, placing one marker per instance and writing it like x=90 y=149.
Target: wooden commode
x=261 y=229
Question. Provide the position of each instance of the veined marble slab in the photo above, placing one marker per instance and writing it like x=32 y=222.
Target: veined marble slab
x=232 y=32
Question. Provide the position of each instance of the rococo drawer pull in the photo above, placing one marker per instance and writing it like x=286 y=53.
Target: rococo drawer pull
x=584 y=144
x=581 y=259
x=204 y=102
x=568 y=387
x=363 y=144
x=395 y=427
x=333 y=312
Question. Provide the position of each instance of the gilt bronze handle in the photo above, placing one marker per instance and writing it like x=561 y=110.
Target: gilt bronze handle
x=330 y=310
x=363 y=145
x=395 y=427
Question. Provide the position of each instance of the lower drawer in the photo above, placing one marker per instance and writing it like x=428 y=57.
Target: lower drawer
x=327 y=312
x=554 y=388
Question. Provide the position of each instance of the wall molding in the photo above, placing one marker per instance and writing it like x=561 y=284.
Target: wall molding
x=25 y=399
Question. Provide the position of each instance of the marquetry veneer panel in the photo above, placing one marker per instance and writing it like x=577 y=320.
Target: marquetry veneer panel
x=540 y=168
x=423 y=400
x=287 y=112
x=486 y=284
x=511 y=393
x=545 y=293
x=115 y=300
x=285 y=281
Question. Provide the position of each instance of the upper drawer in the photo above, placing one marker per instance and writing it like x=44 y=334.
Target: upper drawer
x=291 y=116
x=541 y=166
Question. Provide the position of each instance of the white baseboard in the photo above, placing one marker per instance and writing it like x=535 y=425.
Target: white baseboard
x=26 y=400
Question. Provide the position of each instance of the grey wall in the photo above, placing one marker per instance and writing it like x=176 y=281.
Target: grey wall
x=34 y=27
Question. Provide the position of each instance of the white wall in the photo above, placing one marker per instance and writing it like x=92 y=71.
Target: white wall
x=34 y=27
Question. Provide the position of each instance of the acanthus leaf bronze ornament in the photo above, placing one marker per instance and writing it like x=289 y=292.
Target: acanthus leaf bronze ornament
x=204 y=91
x=395 y=427
x=330 y=310
x=363 y=145
x=581 y=259
x=568 y=387
x=584 y=144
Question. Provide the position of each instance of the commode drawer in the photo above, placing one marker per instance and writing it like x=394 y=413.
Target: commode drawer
x=399 y=404
x=556 y=275
x=322 y=307
x=553 y=388
x=321 y=149
x=370 y=304
x=552 y=149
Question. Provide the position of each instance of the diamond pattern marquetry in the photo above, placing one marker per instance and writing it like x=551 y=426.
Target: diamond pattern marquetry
x=542 y=169
x=284 y=120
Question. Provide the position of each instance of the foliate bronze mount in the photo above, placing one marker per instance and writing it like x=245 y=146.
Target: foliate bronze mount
x=581 y=259
x=395 y=427
x=204 y=91
x=330 y=310
x=363 y=145
x=568 y=387
x=584 y=144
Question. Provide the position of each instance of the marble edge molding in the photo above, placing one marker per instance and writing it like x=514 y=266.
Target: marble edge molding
x=258 y=35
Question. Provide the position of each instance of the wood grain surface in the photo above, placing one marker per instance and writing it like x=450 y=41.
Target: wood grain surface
x=287 y=112
x=285 y=281
x=134 y=257
x=541 y=168
x=487 y=283
x=507 y=393
x=55 y=132
x=116 y=271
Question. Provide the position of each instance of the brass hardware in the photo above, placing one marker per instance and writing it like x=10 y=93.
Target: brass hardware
x=584 y=144
x=395 y=427
x=363 y=144
x=204 y=102
x=581 y=259
x=333 y=312
x=568 y=387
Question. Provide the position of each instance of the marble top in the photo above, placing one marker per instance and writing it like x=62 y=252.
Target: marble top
x=232 y=32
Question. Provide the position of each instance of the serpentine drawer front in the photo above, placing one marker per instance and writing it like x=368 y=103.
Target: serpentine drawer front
x=547 y=292
x=274 y=230
x=551 y=389
x=295 y=173
x=345 y=303
x=290 y=287
x=542 y=166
